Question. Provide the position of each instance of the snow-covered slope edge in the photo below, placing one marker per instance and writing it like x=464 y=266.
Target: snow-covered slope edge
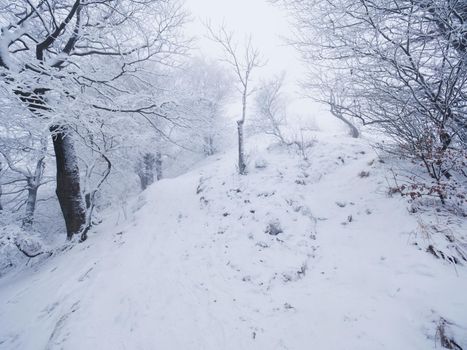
x=295 y=255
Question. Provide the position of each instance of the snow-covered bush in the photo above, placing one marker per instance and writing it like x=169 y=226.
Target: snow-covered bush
x=18 y=246
x=436 y=174
x=261 y=163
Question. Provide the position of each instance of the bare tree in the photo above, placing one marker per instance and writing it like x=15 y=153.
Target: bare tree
x=270 y=105
x=25 y=178
x=336 y=109
x=243 y=61
x=335 y=92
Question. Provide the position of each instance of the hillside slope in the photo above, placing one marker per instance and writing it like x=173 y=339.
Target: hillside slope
x=295 y=255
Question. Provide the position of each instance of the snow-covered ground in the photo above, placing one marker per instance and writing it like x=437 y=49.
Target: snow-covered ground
x=295 y=255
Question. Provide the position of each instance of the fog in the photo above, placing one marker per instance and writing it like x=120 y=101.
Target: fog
x=270 y=27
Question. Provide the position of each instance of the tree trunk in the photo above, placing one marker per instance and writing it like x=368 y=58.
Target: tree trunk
x=209 y=148
x=241 y=153
x=34 y=182
x=68 y=186
x=1 y=207
x=353 y=130
x=145 y=169
x=158 y=166
x=337 y=113
x=30 y=206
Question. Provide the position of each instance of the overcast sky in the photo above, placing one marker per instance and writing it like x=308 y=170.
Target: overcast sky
x=268 y=25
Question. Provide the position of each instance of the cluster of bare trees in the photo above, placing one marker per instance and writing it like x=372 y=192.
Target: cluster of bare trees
x=95 y=93
x=398 y=66
x=71 y=66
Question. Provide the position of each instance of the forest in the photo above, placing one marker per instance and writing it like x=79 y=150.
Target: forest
x=200 y=174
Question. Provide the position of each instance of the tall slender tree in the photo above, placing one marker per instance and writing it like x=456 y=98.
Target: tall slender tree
x=243 y=62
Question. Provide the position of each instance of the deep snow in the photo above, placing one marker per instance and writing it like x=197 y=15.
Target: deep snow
x=193 y=266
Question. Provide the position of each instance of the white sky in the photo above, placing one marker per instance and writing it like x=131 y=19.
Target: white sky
x=268 y=25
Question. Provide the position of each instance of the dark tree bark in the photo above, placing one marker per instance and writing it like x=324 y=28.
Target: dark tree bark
x=145 y=170
x=209 y=148
x=1 y=207
x=158 y=166
x=68 y=185
x=68 y=188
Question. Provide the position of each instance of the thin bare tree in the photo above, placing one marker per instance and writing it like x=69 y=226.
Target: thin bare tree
x=243 y=61
x=271 y=108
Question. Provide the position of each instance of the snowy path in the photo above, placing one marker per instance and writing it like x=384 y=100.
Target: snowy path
x=194 y=268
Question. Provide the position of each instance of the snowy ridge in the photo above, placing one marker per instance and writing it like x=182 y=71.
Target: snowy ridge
x=295 y=255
